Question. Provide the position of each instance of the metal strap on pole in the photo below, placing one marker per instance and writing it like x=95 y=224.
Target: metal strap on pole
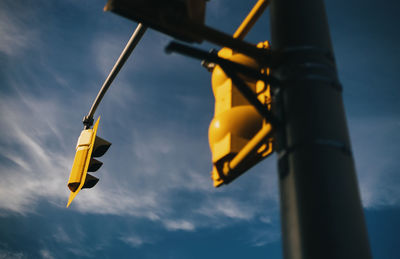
x=321 y=211
x=133 y=41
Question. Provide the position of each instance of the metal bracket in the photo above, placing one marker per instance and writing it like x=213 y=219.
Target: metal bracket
x=232 y=69
x=329 y=143
x=87 y=122
x=306 y=63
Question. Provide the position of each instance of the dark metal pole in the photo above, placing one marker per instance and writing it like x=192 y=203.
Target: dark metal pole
x=321 y=212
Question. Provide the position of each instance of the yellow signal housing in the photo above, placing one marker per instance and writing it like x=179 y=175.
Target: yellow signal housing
x=80 y=161
x=239 y=136
x=88 y=146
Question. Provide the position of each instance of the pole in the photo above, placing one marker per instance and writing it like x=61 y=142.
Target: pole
x=133 y=41
x=321 y=212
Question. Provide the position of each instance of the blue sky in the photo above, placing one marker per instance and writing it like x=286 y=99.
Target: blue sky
x=155 y=198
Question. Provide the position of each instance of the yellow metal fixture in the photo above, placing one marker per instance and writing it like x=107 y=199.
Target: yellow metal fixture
x=239 y=136
x=89 y=145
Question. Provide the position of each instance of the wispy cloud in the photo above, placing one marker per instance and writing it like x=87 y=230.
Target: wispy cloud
x=133 y=241
x=266 y=220
x=175 y=225
x=61 y=236
x=227 y=207
x=375 y=143
x=9 y=254
x=46 y=254
x=6 y=253
x=264 y=237
x=16 y=32
x=36 y=170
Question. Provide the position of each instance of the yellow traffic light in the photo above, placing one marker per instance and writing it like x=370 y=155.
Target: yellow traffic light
x=239 y=136
x=89 y=145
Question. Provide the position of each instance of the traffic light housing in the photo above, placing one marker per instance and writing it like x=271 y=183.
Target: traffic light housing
x=170 y=17
x=239 y=136
x=89 y=146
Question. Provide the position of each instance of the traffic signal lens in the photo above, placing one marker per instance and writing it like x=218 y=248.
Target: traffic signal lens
x=100 y=147
x=73 y=186
x=94 y=165
x=90 y=181
x=242 y=121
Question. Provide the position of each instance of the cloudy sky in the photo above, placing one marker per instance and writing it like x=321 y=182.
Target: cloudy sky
x=155 y=198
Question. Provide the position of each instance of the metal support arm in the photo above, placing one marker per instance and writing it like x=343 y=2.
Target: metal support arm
x=133 y=41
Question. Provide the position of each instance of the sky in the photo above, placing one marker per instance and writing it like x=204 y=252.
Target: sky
x=155 y=198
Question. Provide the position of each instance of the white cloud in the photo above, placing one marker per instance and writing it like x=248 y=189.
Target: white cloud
x=266 y=220
x=375 y=145
x=46 y=254
x=81 y=251
x=121 y=202
x=175 y=225
x=16 y=30
x=39 y=169
x=61 y=236
x=135 y=241
x=264 y=237
x=227 y=207
x=4 y=254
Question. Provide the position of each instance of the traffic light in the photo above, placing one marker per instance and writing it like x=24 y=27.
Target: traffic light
x=89 y=146
x=239 y=136
x=171 y=17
